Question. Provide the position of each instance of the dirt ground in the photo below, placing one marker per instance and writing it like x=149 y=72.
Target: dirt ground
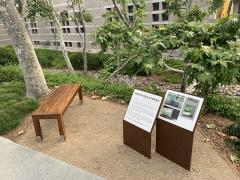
x=95 y=144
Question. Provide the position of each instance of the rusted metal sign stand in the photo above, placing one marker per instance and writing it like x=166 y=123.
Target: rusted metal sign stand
x=137 y=138
x=174 y=143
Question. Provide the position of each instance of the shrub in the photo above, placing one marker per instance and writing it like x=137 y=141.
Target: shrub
x=225 y=106
x=53 y=58
x=233 y=130
x=10 y=73
x=7 y=55
x=95 y=60
x=49 y=58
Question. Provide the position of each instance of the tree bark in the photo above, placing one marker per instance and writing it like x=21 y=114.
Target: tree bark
x=120 y=13
x=62 y=45
x=184 y=81
x=85 y=65
x=36 y=85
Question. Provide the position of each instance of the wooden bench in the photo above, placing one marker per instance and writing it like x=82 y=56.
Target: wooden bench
x=55 y=106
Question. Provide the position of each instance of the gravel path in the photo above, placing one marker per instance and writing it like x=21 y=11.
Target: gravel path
x=95 y=144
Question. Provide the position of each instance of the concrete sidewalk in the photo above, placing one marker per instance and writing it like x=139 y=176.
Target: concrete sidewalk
x=21 y=163
x=95 y=144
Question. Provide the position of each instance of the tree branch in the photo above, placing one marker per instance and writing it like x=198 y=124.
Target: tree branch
x=121 y=67
x=171 y=69
x=120 y=13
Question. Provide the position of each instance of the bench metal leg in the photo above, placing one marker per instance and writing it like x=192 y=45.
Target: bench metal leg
x=80 y=95
x=61 y=127
x=37 y=128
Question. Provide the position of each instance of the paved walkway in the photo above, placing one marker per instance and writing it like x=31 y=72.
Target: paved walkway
x=94 y=143
x=18 y=162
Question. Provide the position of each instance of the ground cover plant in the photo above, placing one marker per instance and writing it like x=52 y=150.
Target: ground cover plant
x=14 y=105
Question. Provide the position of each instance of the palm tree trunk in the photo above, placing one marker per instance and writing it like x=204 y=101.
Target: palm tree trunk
x=36 y=85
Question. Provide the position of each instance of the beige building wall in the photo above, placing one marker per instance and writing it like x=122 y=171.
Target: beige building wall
x=42 y=31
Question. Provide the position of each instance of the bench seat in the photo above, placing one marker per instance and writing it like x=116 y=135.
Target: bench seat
x=54 y=107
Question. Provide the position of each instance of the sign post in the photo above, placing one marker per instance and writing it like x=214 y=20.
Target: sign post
x=176 y=125
x=139 y=120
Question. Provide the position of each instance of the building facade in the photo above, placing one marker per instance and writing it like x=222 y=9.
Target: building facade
x=42 y=31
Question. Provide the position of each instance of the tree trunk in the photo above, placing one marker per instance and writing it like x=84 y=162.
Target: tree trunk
x=184 y=81
x=230 y=7
x=36 y=85
x=62 y=45
x=85 y=66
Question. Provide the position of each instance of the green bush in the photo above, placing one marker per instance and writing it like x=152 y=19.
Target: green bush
x=7 y=56
x=225 y=106
x=233 y=130
x=49 y=58
x=53 y=58
x=10 y=73
x=95 y=60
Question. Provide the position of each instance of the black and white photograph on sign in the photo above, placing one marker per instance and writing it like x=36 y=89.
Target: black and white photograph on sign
x=180 y=109
x=170 y=113
x=142 y=109
x=190 y=108
x=174 y=100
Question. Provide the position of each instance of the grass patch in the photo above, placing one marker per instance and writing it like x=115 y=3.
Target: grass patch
x=14 y=106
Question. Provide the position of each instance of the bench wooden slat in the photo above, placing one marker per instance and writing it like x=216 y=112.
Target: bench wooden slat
x=55 y=106
x=58 y=101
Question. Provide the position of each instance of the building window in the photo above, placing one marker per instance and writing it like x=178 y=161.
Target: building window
x=65 y=21
x=53 y=30
x=34 y=31
x=33 y=25
x=164 y=5
x=155 y=17
x=79 y=44
x=165 y=17
x=66 y=30
x=68 y=44
x=155 y=6
x=109 y=9
x=82 y=30
x=37 y=42
x=130 y=9
x=56 y=43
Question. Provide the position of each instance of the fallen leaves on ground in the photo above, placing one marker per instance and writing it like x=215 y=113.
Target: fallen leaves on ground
x=210 y=126
x=21 y=132
x=221 y=134
x=235 y=159
x=206 y=140
x=95 y=97
x=104 y=98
